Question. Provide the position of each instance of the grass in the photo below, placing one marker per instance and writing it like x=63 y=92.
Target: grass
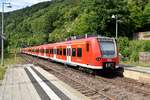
x=2 y=72
x=10 y=59
x=13 y=59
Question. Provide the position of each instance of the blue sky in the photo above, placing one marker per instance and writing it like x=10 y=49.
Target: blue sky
x=18 y=4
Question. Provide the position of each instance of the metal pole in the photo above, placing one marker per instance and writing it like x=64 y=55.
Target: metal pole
x=116 y=26
x=2 y=41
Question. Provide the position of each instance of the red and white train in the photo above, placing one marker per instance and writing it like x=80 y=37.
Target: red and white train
x=93 y=52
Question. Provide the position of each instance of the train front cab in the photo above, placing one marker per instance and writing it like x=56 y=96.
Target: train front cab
x=107 y=53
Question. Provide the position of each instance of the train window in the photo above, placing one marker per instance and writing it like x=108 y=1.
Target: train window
x=79 y=53
x=60 y=51
x=34 y=50
x=47 y=50
x=52 y=51
x=42 y=50
x=64 y=52
x=73 y=52
x=57 y=51
x=87 y=47
x=68 y=52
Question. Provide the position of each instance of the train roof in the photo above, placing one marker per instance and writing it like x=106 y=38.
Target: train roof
x=67 y=42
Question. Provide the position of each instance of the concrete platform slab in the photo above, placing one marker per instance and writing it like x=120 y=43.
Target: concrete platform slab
x=17 y=86
x=141 y=77
x=139 y=69
x=141 y=74
x=66 y=89
x=29 y=82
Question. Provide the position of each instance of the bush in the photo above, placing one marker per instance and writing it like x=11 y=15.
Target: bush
x=146 y=46
x=132 y=48
x=123 y=43
x=134 y=56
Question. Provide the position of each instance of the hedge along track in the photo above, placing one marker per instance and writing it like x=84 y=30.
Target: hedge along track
x=96 y=87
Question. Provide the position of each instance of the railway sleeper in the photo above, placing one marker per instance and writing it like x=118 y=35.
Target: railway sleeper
x=81 y=89
x=89 y=92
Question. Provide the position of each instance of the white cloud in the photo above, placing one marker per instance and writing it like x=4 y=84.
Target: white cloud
x=28 y=1
x=35 y=1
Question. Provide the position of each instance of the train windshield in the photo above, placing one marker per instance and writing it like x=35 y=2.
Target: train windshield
x=107 y=47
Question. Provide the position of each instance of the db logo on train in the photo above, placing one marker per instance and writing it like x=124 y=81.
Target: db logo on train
x=109 y=60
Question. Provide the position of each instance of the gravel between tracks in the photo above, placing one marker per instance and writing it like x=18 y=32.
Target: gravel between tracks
x=96 y=87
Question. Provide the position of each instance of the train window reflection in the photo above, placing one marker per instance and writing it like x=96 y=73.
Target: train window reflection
x=73 y=52
x=64 y=52
x=107 y=48
x=79 y=53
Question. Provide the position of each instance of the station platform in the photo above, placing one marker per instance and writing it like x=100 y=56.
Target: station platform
x=142 y=74
x=29 y=82
x=136 y=68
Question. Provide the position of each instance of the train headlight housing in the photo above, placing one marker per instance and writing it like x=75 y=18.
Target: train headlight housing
x=98 y=58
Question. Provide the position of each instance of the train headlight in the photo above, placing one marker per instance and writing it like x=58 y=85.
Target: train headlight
x=98 y=58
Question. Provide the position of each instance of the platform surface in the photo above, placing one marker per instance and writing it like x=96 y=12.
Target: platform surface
x=136 y=68
x=140 y=69
x=29 y=82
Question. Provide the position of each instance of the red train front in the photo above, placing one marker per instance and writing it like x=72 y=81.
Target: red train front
x=106 y=53
x=92 y=52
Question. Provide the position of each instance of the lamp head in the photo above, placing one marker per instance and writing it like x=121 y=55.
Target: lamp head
x=113 y=16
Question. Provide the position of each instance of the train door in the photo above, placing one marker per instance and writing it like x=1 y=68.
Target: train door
x=64 y=57
x=39 y=51
x=87 y=56
x=44 y=52
x=55 y=52
x=69 y=53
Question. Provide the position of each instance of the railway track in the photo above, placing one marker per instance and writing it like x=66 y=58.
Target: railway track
x=96 y=87
x=86 y=90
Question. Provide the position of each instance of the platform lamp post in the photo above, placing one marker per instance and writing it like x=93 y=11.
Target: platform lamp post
x=116 y=18
x=2 y=34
